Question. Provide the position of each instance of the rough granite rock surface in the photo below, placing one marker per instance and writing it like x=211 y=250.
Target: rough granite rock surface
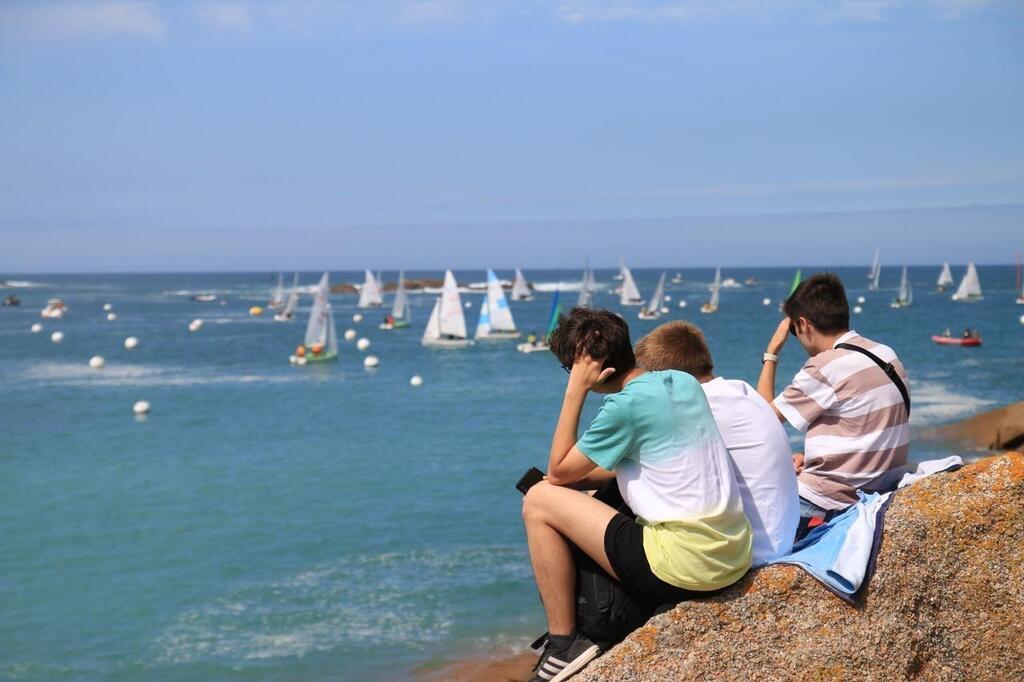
x=946 y=602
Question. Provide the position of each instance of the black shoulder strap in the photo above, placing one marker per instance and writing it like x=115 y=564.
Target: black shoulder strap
x=887 y=367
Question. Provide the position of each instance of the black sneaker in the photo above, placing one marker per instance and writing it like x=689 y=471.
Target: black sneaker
x=555 y=666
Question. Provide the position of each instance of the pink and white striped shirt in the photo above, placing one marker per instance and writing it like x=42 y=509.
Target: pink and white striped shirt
x=858 y=434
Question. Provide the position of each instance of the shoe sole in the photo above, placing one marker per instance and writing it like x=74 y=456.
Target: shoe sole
x=577 y=664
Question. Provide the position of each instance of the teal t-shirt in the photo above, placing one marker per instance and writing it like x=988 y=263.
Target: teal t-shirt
x=659 y=436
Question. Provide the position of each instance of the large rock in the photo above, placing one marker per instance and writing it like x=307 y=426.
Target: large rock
x=946 y=602
x=1001 y=429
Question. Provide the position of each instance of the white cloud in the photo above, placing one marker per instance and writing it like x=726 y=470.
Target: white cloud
x=72 y=19
x=659 y=11
x=225 y=15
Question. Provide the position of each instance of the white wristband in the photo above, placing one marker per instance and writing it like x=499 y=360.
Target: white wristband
x=769 y=357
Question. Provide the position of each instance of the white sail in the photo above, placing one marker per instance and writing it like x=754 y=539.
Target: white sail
x=520 y=289
x=483 y=326
x=400 y=309
x=498 y=312
x=716 y=287
x=369 y=295
x=904 y=296
x=630 y=294
x=320 y=329
x=875 y=264
x=586 y=287
x=970 y=285
x=946 y=276
x=277 y=298
x=293 y=298
x=452 y=320
x=433 y=330
x=654 y=305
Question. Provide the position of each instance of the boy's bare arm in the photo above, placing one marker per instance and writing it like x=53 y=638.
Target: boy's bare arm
x=566 y=464
x=766 y=381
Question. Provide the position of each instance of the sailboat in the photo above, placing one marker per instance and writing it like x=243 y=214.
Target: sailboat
x=520 y=288
x=496 y=321
x=532 y=346
x=945 y=278
x=369 y=294
x=970 y=286
x=321 y=342
x=652 y=310
x=401 y=311
x=906 y=295
x=277 y=298
x=587 y=287
x=678 y=278
x=1020 y=284
x=288 y=312
x=876 y=273
x=629 y=295
x=712 y=305
x=876 y=264
x=447 y=325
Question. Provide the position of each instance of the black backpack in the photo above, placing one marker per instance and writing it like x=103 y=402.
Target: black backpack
x=604 y=612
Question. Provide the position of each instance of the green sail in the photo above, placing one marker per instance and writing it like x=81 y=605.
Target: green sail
x=796 y=282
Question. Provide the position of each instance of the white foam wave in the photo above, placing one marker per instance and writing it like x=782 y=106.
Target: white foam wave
x=115 y=374
x=20 y=284
x=934 y=403
x=356 y=602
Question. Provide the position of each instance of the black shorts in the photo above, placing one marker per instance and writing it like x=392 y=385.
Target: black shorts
x=624 y=545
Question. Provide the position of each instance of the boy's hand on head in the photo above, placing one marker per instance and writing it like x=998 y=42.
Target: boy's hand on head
x=587 y=373
x=779 y=337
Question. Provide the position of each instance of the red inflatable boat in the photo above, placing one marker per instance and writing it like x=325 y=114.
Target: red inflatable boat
x=956 y=340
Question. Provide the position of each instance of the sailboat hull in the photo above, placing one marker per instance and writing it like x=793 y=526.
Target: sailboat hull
x=966 y=299
x=708 y=308
x=494 y=335
x=447 y=343
x=644 y=315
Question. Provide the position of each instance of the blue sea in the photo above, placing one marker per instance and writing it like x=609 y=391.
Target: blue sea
x=272 y=522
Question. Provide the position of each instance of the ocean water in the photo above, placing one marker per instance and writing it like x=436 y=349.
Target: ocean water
x=270 y=522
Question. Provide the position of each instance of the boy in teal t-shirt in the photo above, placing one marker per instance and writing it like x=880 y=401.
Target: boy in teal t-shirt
x=656 y=436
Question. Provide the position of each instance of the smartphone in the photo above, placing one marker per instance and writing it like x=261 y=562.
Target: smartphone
x=532 y=477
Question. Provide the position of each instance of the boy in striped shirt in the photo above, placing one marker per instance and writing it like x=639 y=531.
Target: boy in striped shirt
x=855 y=416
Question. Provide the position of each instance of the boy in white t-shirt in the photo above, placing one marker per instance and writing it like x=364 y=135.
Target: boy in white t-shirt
x=756 y=441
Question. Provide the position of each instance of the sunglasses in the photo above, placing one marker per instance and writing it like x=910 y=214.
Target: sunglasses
x=567 y=368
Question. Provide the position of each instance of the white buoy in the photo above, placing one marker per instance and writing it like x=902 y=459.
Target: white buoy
x=293 y=359
x=469 y=304
x=131 y=342
x=766 y=301
x=1022 y=319
x=350 y=334
x=358 y=317
x=370 y=361
x=416 y=380
x=195 y=325
x=861 y=299
x=97 y=362
x=665 y=310
x=141 y=407
x=111 y=317
x=300 y=361
x=857 y=310
x=363 y=343
x=668 y=297
x=108 y=306
x=57 y=337
x=37 y=327
x=682 y=304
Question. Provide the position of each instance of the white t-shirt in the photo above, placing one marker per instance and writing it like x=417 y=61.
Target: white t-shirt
x=762 y=462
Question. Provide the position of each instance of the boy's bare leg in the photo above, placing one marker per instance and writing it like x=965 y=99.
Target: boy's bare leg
x=554 y=516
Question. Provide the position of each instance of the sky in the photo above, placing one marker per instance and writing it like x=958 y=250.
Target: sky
x=208 y=135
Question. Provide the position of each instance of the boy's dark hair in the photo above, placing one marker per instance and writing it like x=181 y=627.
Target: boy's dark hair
x=599 y=333
x=820 y=298
x=675 y=345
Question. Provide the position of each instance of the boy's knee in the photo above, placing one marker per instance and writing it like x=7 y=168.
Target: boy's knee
x=534 y=500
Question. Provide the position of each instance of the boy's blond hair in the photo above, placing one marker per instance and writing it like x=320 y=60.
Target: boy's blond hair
x=675 y=345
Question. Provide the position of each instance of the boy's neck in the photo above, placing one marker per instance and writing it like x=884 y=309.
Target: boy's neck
x=617 y=384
